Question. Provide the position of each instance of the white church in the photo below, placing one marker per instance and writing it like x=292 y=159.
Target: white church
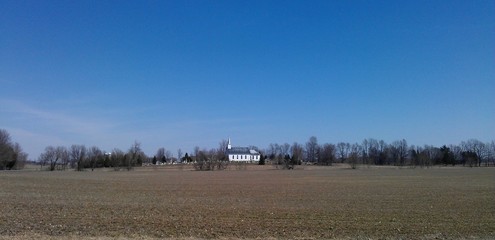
x=242 y=154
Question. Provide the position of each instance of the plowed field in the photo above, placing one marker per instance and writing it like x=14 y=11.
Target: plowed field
x=260 y=202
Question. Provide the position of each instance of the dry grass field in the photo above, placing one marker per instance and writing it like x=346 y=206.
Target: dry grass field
x=258 y=203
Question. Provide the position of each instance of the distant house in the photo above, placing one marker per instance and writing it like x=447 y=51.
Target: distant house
x=242 y=154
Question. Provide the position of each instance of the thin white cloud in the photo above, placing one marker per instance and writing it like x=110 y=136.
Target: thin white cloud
x=34 y=143
x=61 y=121
x=35 y=128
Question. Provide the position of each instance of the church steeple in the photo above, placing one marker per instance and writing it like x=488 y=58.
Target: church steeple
x=229 y=146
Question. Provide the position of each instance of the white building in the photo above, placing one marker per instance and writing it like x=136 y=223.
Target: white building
x=242 y=154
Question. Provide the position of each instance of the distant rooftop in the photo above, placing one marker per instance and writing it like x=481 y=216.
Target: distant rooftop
x=242 y=150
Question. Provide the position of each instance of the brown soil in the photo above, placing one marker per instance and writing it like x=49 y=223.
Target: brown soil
x=258 y=203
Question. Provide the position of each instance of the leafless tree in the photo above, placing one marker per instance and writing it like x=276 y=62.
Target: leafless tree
x=221 y=152
x=373 y=151
x=456 y=152
x=273 y=151
x=365 y=146
x=207 y=160
x=477 y=147
x=48 y=157
x=169 y=157
x=179 y=155
x=382 y=152
x=4 y=137
x=53 y=156
x=492 y=152
x=415 y=153
x=201 y=163
x=222 y=147
x=11 y=154
x=284 y=149
x=20 y=157
x=94 y=154
x=64 y=157
x=117 y=159
x=6 y=151
x=312 y=150
x=77 y=155
x=196 y=153
x=327 y=154
x=399 y=152
x=343 y=150
x=354 y=155
x=135 y=155
x=274 y=154
x=428 y=155
x=160 y=155
x=297 y=152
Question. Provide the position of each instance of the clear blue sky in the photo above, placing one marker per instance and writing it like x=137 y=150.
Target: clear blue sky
x=179 y=74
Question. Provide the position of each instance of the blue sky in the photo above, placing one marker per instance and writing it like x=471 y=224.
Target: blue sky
x=179 y=74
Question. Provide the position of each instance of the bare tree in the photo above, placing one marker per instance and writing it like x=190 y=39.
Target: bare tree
x=64 y=157
x=160 y=155
x=4 y=137
x=327 y=154
x=297 y=152
x=354 y=155
x=456 y=153
x=11 y=154
x=365 y=146
x=477 y=147
x=399 y=152
x=20 y=157
x=94 y=154
x=179 y=155
x=312 y=150
x=196 y=153
x=53 y=156
x=279 y=155
x=373 y=151
x=48 y=157
x=117 y=159
x=6 y=156
x=273 y=151
x=492 y=152
x=207 y=160
x=222 y=147
x=284 y=149
x=343 y=150
x=382 y=152
x=77 y=155
x=135 y=156
x=221 y=152
x=168 y=157
x=201 y=163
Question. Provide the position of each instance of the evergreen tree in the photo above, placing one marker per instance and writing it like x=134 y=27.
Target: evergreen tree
x=447 y=157
x=262 y=160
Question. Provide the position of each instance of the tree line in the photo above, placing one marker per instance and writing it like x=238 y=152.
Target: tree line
x=377 y=152
x=369 y=152
x=80 y=157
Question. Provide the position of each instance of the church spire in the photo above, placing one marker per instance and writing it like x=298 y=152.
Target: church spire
x=229 y=146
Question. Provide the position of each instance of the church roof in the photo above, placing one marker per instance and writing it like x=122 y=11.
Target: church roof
x=241 y=150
